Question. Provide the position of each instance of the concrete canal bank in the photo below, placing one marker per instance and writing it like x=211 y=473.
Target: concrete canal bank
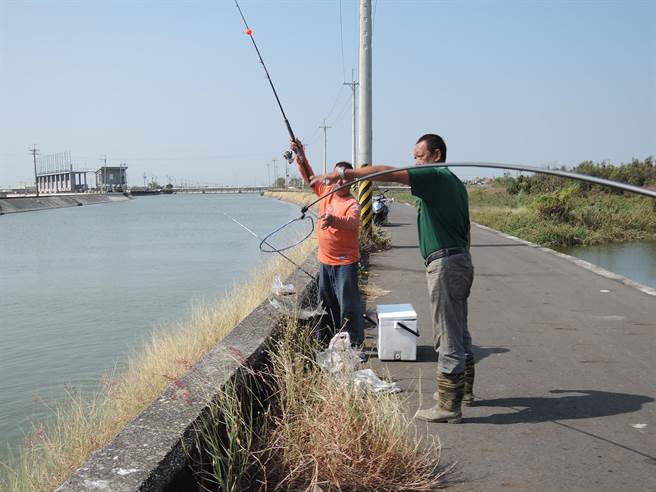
x=152 y=452
x=30 y=204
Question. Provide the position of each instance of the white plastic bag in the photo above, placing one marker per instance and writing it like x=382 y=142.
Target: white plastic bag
x=341 y=360
x=281 y=289
x=366 y=378
x=339 y=357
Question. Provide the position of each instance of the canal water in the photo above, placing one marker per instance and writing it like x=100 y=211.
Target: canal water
x=636 y=261
x=81 y=288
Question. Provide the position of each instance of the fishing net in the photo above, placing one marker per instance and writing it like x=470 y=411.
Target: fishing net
x=288 y=235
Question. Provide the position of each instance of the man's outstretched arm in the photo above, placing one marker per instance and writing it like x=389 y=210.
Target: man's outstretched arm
x=362 y=172
x=303 y=164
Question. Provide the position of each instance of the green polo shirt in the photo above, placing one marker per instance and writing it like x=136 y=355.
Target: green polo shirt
x=442 y=209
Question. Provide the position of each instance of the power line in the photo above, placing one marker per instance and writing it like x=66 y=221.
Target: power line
x=341 y=38
x=373 y=17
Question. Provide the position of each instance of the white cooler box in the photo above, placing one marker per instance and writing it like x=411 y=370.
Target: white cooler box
x=397 y=332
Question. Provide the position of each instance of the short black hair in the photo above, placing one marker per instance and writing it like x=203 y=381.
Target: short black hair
x=433 y=143
x=345 y=164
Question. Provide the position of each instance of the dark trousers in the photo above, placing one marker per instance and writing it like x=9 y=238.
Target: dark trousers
x=340 y=295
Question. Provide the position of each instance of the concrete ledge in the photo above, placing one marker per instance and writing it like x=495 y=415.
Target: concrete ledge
x=149 y=453
x=45 y=202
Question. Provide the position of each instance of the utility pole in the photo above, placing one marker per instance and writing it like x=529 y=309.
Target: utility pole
x=353 y=84
x=34 y=151
x=268 y=173
x=103 y=158
x=286 y=174
x=325 y=148
x=365 y=154
x=275 y=173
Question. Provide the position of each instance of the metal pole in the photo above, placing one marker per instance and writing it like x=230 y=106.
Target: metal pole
x=34 y=151
x=275 y=173
x=104 y=176
x=325 y=144
x=354 y=138
x=365 y=133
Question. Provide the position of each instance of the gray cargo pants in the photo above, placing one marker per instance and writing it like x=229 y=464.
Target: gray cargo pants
x=449 y=283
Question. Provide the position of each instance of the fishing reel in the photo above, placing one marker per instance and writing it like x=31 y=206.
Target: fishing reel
x=289 y=156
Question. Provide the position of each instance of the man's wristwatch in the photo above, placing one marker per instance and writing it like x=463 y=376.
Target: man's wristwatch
x=341 y=171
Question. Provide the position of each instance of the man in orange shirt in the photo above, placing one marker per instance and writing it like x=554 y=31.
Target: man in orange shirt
x=339 y=252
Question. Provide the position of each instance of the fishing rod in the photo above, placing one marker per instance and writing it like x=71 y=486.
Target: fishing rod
x=264 y=241
x=554 y=172
x=249 y=33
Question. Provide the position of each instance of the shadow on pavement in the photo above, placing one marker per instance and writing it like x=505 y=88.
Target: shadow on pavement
x=583 y=405
x=388 y=268
x=426 y=353
x=481 y=353
x=396 y=224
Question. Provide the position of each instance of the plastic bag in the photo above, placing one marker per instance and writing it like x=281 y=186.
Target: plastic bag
x=281 y=289
x=341 y=360
x=367 y=378
x=339 y=357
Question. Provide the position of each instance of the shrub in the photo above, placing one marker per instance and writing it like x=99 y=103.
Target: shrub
x=556 y=205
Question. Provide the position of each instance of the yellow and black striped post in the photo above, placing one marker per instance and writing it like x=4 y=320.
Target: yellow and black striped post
x=364 y=197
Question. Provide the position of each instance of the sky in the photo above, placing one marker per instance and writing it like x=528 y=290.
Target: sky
x=174 y=88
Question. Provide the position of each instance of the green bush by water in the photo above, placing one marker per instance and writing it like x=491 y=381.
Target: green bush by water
x=557 y=212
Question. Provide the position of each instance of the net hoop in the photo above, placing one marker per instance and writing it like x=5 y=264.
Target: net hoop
x=265 y=245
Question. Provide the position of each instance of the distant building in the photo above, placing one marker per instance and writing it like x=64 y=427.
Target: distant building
x=112 y=178
x=56 y=173
x=62 y=182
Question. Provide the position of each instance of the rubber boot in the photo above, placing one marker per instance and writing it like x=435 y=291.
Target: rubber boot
x=470 y=372
x=450 y=388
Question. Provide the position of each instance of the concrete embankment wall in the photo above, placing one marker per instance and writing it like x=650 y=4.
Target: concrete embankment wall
x=30 y=204
x=152 y=452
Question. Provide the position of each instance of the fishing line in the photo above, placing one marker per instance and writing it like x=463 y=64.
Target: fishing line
x=272 y=248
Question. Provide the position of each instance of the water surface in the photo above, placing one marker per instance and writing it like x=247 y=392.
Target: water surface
x=636 y=261
x=81 y=288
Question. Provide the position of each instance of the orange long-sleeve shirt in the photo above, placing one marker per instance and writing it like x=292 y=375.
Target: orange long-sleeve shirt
x=338 y=244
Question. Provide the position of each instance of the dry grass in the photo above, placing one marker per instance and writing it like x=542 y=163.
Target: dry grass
x=371 y=291
x=338 y=437
x=298 y=197
x=83 y=425
x=320 y=434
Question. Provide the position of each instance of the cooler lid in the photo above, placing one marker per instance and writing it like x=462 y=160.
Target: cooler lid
x=403 y=311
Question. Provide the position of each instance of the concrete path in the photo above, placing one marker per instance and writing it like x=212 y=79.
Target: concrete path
x=566 y=371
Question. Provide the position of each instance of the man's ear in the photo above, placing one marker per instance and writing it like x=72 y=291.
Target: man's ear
x=437 y=155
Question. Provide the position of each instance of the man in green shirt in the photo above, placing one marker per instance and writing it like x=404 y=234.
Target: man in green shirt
x=444 y=236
